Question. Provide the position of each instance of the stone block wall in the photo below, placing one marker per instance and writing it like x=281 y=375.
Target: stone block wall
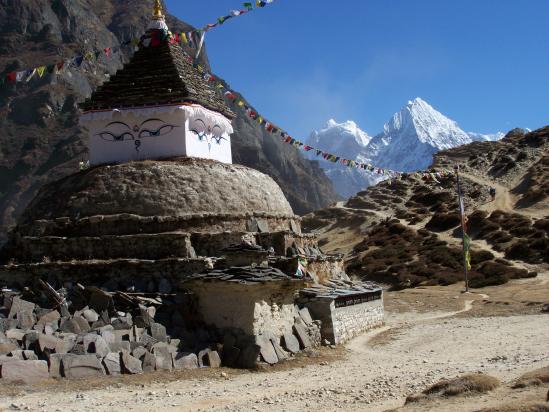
x=339 y=324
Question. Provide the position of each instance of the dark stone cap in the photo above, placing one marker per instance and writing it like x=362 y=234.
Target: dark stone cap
x=157 y=75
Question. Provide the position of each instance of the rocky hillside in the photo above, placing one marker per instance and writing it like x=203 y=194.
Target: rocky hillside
x=40 y=139
x=407 y=232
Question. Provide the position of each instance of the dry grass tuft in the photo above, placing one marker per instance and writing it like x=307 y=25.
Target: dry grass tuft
x=534 y=378
x=466 y=384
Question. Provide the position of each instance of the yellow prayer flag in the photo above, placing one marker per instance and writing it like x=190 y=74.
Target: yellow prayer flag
x=241 y=103
x=41 y=70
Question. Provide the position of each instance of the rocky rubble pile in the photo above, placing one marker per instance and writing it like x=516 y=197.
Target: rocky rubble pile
x=82 y=332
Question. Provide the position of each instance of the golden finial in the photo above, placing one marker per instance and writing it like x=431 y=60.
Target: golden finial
x=157 y=14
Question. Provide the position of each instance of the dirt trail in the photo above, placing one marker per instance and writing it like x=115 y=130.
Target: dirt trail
x=416 y=350
x=504 y=199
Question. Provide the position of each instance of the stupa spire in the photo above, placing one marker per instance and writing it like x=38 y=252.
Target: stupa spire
x=158 y=21
x=157 y=14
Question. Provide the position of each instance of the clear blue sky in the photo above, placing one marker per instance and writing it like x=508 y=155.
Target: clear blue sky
x=483 y=63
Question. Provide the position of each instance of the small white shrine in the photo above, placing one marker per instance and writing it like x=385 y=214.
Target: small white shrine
x=158 y=106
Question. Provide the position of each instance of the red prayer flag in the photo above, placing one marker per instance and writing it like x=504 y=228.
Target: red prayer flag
x=11 y=77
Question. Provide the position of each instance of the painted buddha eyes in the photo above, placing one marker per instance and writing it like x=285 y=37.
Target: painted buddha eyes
x=161 y=131
x=120 y=131
x=207 y=133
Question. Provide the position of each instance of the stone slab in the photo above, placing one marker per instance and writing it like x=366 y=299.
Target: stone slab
x=184 y=360
x=94 y=343
x=83 y=366
x=20 y=305
x=131 y=365
x=111 y=362
x=27 y=371
x=290 y=343
x=149 y=362
x=267 y=350
x=302 y=335
x=306 y=316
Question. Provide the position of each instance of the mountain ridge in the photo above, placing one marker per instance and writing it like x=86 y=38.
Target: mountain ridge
x=407 y=143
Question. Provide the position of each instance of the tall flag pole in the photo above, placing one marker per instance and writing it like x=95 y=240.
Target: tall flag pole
x=465 y=237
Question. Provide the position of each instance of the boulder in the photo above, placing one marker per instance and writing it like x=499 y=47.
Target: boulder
x=83 y=366
x=185 y=360
x=139 y=352
x=27 y=371
x=214 y=360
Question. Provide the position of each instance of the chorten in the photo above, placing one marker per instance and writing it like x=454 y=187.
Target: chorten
x=164 y=208
x=157 y=106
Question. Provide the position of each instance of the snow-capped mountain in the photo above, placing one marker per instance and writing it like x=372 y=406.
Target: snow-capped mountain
x=347 y=140
x=478 y=137
x=407 y=143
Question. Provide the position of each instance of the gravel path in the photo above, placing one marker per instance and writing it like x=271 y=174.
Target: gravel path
x=416 y=351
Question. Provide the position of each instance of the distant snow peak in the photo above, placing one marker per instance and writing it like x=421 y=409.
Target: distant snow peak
x=407 y=143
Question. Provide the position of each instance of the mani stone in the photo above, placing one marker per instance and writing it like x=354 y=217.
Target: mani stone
x=302 y=335
x=163 y=358
x=27 y=371
x=83 y=366
x=306 y=316
x=96 y=344
x=24 y=355
x=20 y=305
x=149 y=362
x=267 y=350
x=6 y=348
x=281 y=355
x=185 y=360
x=158 y=332
x=26 y=320
x=112 y=363
x=90 y=315
x=120 y=346
x=47 y=342
x=139 y=352
x=290 y=343
x=16 y=334
x=82 y=323
x=130 y=364
x=49 y=317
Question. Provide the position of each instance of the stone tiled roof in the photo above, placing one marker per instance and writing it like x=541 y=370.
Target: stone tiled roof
x=158 y=75
x=335 y=289
x=245 y=275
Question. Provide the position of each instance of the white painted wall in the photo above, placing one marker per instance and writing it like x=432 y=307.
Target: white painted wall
x=120 y=136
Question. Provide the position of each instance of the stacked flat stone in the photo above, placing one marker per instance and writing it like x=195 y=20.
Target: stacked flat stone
x=244 y=275
x=37 y=343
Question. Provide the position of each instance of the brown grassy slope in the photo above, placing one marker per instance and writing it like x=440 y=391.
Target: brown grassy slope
x=422 y=246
